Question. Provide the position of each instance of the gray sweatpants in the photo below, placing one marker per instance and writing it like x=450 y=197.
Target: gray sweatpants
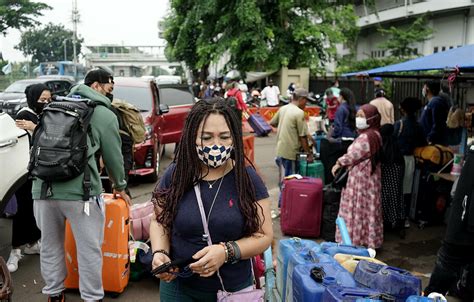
x=88 y=232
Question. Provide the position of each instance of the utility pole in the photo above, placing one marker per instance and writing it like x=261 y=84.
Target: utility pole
x=75 y=20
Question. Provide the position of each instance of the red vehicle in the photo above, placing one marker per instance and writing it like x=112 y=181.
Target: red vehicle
x=164 y=123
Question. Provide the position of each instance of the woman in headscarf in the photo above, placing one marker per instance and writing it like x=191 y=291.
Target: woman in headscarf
x=360 y=200
x=24 y=229
x=392 y=181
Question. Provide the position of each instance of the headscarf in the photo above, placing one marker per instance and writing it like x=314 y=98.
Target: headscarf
x=373 y=120
x=33 y=93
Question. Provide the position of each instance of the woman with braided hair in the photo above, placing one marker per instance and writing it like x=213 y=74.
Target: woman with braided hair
x=209 y=159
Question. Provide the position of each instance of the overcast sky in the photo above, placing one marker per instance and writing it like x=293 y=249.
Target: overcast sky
x=102 y=22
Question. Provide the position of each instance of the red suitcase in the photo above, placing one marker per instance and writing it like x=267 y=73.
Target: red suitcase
x=301 y=207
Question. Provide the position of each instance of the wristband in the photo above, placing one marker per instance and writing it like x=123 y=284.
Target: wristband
x=237 y=254
x=161 y=252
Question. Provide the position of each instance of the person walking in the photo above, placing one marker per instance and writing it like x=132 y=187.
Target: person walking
x=344 y=126
x=434 y=115
x=384 y=106
x=24 y=228
x=271 y=94
x=209 y=164
x=360 y=200
x=64 y=199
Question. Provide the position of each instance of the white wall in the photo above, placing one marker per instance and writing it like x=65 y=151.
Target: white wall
x=449 y=31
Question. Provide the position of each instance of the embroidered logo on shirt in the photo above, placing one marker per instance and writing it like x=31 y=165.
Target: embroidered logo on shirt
x=231 y=203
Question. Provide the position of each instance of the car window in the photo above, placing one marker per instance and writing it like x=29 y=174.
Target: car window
x=141 y=97
x=18 y=87
x=174 y=96
x=59 y=87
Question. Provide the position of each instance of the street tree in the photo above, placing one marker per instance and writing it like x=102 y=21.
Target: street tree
x=257 y=35
x=401 y=40
x=400 y=45
x=47 y=43
x=19 y=14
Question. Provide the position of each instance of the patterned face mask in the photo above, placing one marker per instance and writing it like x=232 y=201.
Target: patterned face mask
x=214 y=156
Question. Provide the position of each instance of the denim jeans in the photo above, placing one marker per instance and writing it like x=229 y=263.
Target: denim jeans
x=286 y=167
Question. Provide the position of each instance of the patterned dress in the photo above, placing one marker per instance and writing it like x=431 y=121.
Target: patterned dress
x=361 y=205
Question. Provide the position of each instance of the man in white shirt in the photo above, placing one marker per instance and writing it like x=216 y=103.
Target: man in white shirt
x=271 y=94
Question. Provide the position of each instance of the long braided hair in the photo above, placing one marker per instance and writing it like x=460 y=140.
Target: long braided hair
x=188 y=168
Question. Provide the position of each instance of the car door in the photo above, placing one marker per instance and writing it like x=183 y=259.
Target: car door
x=180 y=100
x=14 y=157
x=159 y=122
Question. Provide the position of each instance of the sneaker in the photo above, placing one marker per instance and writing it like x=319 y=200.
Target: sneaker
x=12 y=263
x=57 y=298
x=33 y=249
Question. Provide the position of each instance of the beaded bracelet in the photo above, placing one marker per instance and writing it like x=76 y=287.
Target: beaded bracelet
x=226 y=252
x=161 y=252
x=230 y=248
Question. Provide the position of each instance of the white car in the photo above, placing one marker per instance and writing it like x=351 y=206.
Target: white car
x=14 y=157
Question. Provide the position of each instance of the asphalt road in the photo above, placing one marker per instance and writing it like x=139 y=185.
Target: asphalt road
x=417 y=252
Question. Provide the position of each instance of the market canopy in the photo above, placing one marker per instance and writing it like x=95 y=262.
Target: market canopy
x=461 y=57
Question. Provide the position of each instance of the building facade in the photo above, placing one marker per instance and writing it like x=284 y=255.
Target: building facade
x=452 y=22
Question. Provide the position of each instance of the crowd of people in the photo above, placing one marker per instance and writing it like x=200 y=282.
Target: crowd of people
x=211 y=206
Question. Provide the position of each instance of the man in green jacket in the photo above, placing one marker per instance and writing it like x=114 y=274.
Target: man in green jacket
x=87 y=218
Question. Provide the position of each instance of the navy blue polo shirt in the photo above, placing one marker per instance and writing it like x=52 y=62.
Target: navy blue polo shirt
x=226 y=223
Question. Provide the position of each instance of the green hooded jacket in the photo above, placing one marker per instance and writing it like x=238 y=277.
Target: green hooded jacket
x=105 y=133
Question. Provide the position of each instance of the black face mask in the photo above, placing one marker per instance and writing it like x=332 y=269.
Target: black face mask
x=110 y=96
x=39 y=107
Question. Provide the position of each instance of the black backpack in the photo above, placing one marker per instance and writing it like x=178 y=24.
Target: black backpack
x=59 y=150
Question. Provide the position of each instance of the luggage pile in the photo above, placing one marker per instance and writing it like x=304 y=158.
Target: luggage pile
x=311 y=272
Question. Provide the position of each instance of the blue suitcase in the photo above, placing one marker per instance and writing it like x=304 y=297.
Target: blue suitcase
x=305 y=256
x=386 y=279
x=332 y=248
x=309 y=289
x=353 y=294
x=286 y=248
x=259 y=125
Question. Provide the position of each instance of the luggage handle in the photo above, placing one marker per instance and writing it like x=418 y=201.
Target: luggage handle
x=386 y=270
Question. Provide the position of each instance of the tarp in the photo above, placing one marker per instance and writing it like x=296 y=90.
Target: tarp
x=462 y=57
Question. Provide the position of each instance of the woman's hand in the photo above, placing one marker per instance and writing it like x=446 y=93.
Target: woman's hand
x=25 y=125
x=335 y=168
x=159 y=259
x=211 y=258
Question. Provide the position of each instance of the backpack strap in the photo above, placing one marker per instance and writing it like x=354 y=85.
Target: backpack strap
x=86 y=183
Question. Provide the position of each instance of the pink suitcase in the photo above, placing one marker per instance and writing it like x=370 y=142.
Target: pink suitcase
x=301 y=207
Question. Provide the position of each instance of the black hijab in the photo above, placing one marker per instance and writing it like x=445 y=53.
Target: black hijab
x=33 y=93
x=391 y=153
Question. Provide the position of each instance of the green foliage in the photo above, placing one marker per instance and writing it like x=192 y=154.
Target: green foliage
x=400 y=41
x=350 y=64
x=19 y=14
x=257 y=35
x=399 y=44
x=46 y=43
